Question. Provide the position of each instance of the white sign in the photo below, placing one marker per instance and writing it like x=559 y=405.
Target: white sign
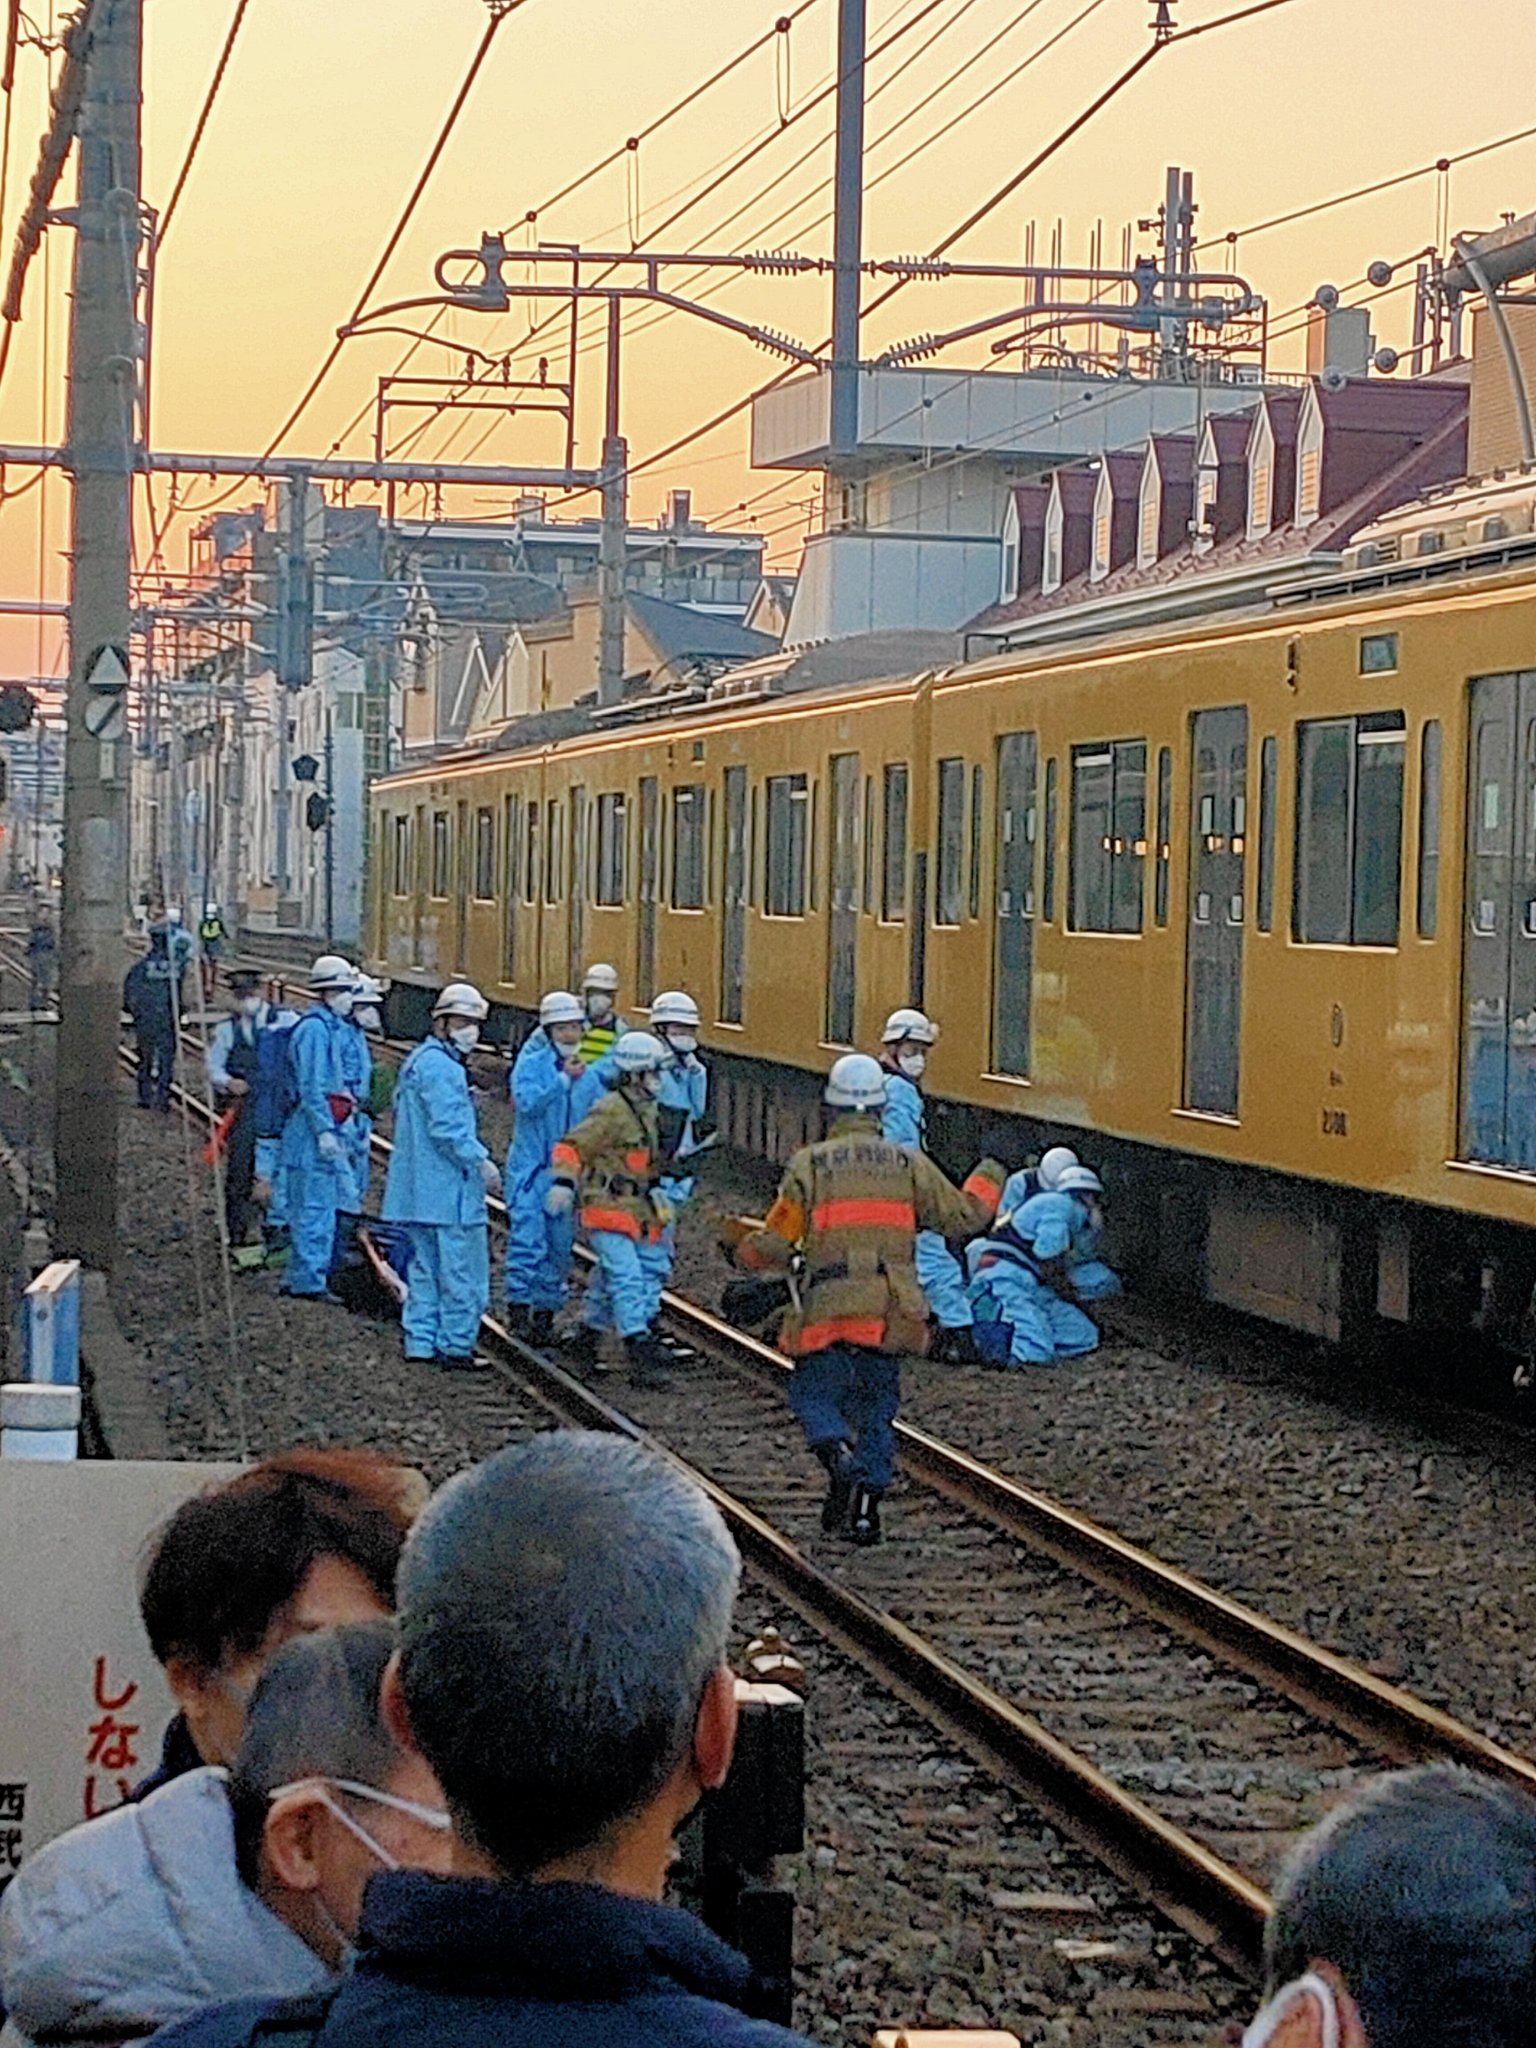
x=105 y=717
x=83 y=1704
x=107 y=670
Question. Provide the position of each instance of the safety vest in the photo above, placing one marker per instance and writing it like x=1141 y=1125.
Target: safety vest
x=613 y=1156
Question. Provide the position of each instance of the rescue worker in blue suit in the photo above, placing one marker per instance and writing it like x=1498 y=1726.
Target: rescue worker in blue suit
x=905 y=1044
x=439 y=1177
x=682 y=1106
x=1040 y=1179
x=1027 y=1266
x=314 y=1159
x=552 y=1089
x=364 y=1020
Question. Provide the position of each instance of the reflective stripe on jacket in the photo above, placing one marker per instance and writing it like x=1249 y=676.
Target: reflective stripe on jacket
x=851 y=1207
x=612 y=1156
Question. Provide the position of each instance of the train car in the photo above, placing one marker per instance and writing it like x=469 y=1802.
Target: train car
x=1250 y=904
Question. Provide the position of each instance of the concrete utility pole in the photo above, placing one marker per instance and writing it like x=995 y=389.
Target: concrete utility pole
x=101 y=436
x=848 y=227
x=613 y=539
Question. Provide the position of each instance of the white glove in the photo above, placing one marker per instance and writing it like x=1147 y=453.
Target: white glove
x=560 y=1199
x=328 y=1145
x=490 y=1176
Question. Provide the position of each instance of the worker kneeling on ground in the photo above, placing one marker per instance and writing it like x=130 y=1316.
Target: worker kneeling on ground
x=439 y=1177
x=1033 y=1268
x=552 y=1089
x=613 y=1159
x=845 y=1225
x=905 y=1044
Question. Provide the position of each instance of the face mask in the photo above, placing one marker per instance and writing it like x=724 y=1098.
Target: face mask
x=366 y=1020
x=250 y=1006
x=341 y=1000
x=566 y=1037
x=912 y=1063
x=430 y=1816
x=1263 y=2026
x=599 y=1003
x=465 y=1036
x=682 y=1043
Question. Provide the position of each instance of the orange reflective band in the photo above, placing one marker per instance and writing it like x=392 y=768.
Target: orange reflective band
x=866 y=1330
x=981 y=1189
x=638 y=1160
x=786 y=1219
x=617 y=1220
x=567 y=1156
x=854 y=1213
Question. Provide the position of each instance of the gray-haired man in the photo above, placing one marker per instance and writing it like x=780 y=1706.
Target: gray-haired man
x=565 y=1611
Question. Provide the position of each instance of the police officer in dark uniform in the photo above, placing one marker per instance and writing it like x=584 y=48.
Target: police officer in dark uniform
x=234 y=1066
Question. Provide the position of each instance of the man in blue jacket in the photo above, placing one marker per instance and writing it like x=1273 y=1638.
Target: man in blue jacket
x=314 y=1158
x=906 y=1042
x=552 y=1090
x=1033 y=1268
x=565 y=1615
x=439 y=1177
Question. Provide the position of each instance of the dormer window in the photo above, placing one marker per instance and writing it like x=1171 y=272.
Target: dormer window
x=1050 y=574
x=1149 y=516
x=1261 y=477
x=1309 y=462
x=1103 y=524
x=1009 y=587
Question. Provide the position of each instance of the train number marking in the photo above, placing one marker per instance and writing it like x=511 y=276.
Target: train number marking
x=1335 y=1123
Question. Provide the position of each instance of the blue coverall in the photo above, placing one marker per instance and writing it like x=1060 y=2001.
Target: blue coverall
x=938 y=1270
x=317 y=1187
x=435 y=1186
x=685 y=1087
x=357 y=1057
x=547 y=1103
x=1020 y=1318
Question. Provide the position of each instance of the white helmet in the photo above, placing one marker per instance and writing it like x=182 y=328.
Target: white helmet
x=637 y=1052
x=368 y=989
x=1078 y=1180
x=855 y=1082
x=331 y=971
x=675 y=1007
x=601 y=975
x=909 y=1024
x=561 y=1007
x=462 y=999
x=1053 y=1164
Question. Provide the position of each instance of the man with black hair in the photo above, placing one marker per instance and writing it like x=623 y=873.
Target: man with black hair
x=565 y=1611
x=1407 y=1917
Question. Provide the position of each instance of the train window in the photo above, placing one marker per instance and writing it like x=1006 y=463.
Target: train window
x=949 y=892
x=1164 y=834
x=1269 y=764
x=785 y=858
x=612 y=823
x=439 y=853
x=402 y=879
x=978 y=791
x=1109 y=836
x=485 y=855
x=688 y=823
x=1429 y=830
x=1349 y=830
x=869 y=846
x=893 y=881
x=511 y=851
x=554 y=847
x=531 y=856
x=1052 y=822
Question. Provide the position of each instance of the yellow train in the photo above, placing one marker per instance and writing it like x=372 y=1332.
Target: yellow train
x=1251 y=900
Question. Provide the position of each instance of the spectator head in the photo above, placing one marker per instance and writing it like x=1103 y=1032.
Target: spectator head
x=565 y=1615
x=1411 y=1914
x=322 y=1795
x=302 y=1541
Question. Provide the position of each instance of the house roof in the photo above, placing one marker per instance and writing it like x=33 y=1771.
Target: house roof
x=1123 y=468
x=1371 y=405
x=677 y=631
x=1230 y=431
x=1174 y=455
x=1076 y=485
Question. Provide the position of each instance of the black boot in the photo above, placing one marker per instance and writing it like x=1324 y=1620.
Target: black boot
x=541 y=1327
x=517 y=1320
x=864 y=1516
x=838 y=1460
x=582 y=1347
x=955 y=1347
x=647 y=1360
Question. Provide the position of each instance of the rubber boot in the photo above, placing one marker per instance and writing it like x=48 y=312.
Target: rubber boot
x=517 y=1320
x=955 y=1347
x=582 y=1346
x=453 y=1363
x=647 y=1360
x=838 y=1460
x=864 y=1516
x=541 y=1328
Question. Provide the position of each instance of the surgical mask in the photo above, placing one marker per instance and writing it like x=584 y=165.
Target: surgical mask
x=465 y=1036
x=366 y=1019
x=250 y=1006
x=682 y=1043
x=912 y=1064
x=599 y=1003
x=1263 y=2026
x=430 y=1816
x=341 y=1000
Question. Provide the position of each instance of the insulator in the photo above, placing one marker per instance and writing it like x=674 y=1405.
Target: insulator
x=774 y=260
x=911 y=351
x=778 y=344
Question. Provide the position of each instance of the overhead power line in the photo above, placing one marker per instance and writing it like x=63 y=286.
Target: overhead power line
x=169 y=213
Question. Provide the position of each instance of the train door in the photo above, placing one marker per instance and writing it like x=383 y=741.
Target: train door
x=733 y=907
x=1013 y=944
x=418 y=883
x=1218 y=840
x=843 y=899
x=576 y=870
x=650 y=878
x=461 y=886
x=1498 y=1088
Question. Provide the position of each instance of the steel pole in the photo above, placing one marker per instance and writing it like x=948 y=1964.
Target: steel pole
x=101 y=436
x=613 y=540
x=330 y=835
x=848 y=228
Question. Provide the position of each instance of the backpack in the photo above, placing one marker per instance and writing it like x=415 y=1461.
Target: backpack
x=276 y=1096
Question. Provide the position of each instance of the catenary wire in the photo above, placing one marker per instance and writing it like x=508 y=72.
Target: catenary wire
x=201 y=125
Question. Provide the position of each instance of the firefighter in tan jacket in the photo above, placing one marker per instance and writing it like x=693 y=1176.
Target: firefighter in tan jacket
x=845 y=1223
x=613 y=1159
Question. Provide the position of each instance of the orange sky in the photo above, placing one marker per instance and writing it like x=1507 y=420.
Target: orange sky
x=330 y=106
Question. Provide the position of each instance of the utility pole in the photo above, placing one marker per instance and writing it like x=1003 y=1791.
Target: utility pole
x=101 y=436
x=330 y=832
x=613 y=539
x=847 y=228
x=294 y=660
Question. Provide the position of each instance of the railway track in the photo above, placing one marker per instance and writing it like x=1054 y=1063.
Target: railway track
x=1179 y=1736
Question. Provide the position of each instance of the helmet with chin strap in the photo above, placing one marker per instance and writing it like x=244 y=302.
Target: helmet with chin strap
x=559 y=1006
x=1077 y=1180
x=601 y=975
x=675 y=1007
x=462 y=999
x=909 y=1024
x=637 y=1052
x=855 y=1082
x=330 y=971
